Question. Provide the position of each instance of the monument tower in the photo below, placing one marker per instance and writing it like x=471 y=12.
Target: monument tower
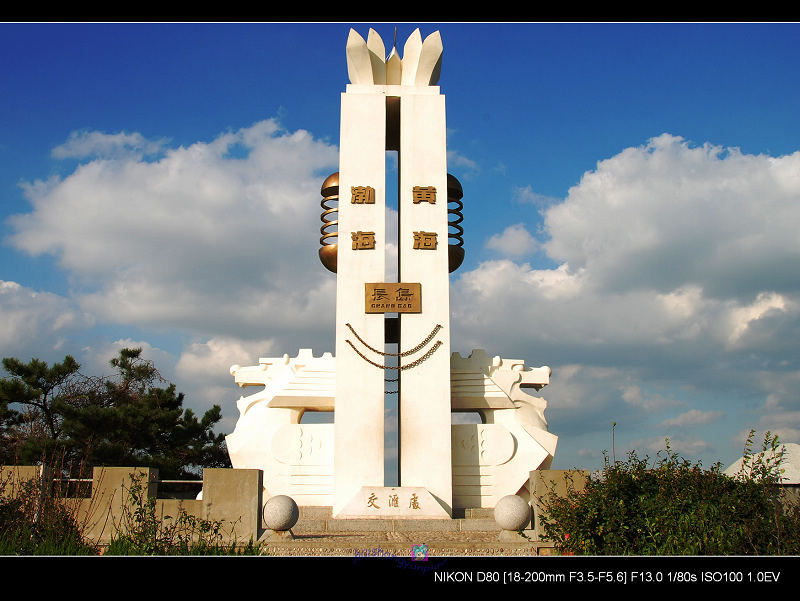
x=392 y=103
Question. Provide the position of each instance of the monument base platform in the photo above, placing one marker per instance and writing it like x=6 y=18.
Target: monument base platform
x=472 y=533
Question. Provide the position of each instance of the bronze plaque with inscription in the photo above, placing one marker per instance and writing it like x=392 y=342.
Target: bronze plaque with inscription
x=392 y=297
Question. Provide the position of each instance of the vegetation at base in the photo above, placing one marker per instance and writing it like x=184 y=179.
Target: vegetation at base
x=674 y=507
x=57 y=417
x=35 y=524
x=142 y=531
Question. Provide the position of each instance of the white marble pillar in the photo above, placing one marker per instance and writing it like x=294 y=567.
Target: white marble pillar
x=424 y=403
x=359 y=414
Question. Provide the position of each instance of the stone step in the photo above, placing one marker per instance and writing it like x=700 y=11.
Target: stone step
x=332 y=526
x=323 y=512
x=319 y=520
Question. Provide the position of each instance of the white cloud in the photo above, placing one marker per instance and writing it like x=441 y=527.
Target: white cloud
x=458 y=162
x=742 y=316
x=83 y=144
x=515 y=241
x=781 y=386
x=667 y=214
x=218 y=238
x=677 y=271
x=693 y=417
x=202 y=362
x=36 y=323
x=661 y=245
x=526 y=195
x=675 y=266
x=202 y=372
x=95 y=357
x=688 y=447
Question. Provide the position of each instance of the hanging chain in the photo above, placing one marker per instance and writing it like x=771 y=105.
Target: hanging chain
x=398 y=367
x=404 y=354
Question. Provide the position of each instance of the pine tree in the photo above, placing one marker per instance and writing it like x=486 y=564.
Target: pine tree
x=36 y=388
x=134 y=418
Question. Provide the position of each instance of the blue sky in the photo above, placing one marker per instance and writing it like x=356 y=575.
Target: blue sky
x=632 y=195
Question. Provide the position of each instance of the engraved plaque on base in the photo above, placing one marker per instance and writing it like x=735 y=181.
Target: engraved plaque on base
x=392 y=297
x=395 y=502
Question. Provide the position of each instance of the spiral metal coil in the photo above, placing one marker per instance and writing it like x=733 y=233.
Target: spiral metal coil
x=330 y=226
x=454 y=218
x=330 y=195
x=454 y=196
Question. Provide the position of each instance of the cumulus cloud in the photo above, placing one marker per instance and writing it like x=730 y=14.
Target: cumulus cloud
x=218 y=238
x=466 y=166
x=83 y=144
x=780 y=411
x=526 y=195
x=95 y=357
x=203 y=372
x=693 y=417
x=36 y=323
x=677 y=270
x=668 y=214
x=661 y=244
x=633 y=395
x=514 y=241
x=688 y=447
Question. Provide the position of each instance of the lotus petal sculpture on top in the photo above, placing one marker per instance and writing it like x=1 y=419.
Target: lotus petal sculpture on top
x=367 y=63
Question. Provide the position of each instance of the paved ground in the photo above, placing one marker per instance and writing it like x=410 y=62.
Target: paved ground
x=400 y=545
x=317 y=534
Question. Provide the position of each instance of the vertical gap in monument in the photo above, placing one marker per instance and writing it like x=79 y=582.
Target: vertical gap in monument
x=392 y=320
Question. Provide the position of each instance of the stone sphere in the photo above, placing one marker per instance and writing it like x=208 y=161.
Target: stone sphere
x=280 y=513
x=512 y=513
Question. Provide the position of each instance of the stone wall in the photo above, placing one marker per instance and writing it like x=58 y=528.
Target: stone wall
x=230 y=496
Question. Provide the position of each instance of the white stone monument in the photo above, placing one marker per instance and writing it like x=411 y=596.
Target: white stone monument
x=392 y=104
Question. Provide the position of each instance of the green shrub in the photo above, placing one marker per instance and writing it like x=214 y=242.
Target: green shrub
x=674 y=507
